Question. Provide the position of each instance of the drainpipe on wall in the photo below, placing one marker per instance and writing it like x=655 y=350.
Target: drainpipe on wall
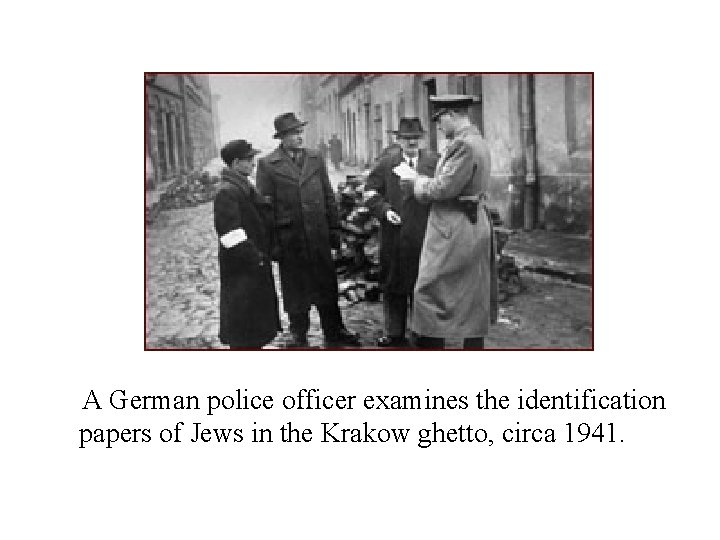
x=527 y=128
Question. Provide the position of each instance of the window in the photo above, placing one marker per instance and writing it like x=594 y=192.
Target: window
x=180 y=145
x=378 y=132
x=160 y=130
x=170 y=125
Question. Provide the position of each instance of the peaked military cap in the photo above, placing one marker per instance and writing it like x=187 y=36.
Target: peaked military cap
x=449 y=102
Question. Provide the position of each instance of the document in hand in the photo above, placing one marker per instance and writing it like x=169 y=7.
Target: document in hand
x=405 y=171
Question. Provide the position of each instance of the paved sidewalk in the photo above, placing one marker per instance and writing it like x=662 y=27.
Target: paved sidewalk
x=562 y=255
x=182 y=308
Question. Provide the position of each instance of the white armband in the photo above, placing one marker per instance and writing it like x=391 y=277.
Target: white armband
x=233 y=238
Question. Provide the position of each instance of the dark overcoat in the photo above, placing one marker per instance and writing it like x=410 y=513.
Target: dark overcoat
x=400 y=246
x=306 y=226
x=249 y=314
x=335 y=150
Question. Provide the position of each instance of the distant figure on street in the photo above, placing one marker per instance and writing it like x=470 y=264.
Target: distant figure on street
x=456 y=291
x=306 y=228
x=402 y=225
x=249 y=315
x=335 y=151
x=323 y=150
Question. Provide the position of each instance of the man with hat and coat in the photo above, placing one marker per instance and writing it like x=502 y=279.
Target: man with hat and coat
x=455 y=294
x=306 y=227
x=335 y=151
x=249 y=316
x=402 y=225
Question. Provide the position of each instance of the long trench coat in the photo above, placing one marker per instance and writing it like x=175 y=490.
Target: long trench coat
x=249 y=314
x=456 y=290
x=305 y=219
x=400 y=245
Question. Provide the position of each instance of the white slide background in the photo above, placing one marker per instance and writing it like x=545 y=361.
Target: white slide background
x=73 y=276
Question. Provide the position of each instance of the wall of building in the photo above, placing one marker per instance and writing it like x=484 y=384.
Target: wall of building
x=199 y=120
x=539 y=129
x=564 y=146
x=388 y=95
x=310 y=108
x=502 y=133
x=180 y=135
x=165 y=124
x=328 y=119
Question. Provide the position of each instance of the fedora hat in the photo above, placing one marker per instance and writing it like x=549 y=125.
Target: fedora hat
x=237 y=149
x=448 y=102
x=409 y=128
x=286 y=122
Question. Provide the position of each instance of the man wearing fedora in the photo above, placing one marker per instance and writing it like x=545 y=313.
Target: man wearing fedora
x=335 y=151
x=306 y=228
x=402 y=225
x=456 y=291
x=249 y=316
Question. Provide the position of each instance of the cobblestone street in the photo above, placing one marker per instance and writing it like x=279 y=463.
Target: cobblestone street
x=183 y=294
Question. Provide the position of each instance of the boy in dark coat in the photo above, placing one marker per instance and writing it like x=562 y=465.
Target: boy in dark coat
x=249 y=316
x=403 y=221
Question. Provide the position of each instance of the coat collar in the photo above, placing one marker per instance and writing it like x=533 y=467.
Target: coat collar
x=235 y=178
x=238 y=180
x=286 y=166
x=464 y=131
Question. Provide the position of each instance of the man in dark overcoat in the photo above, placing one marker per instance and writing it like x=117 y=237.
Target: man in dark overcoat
x=402 y=225
x=323 y=150
x=249 y=316
x=335 y=151
x=306 y=228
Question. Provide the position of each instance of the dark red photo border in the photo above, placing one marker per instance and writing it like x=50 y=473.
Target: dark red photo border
x=592 y=202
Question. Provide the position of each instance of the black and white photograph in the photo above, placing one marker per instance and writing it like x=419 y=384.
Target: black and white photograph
x=430 y=245
x=384 y=211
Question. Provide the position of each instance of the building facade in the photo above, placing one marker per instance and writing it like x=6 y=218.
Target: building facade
x=538 y=127
x=179 y=124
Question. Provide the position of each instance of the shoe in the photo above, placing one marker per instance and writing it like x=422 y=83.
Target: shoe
x=297 y=342
x=343 y=337
x=392 y=342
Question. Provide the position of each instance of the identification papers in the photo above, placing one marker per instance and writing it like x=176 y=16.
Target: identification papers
x=405 y=171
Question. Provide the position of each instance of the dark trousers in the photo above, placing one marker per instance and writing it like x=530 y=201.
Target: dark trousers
x=424 y=342
x=330 y=320
x=395 y=309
